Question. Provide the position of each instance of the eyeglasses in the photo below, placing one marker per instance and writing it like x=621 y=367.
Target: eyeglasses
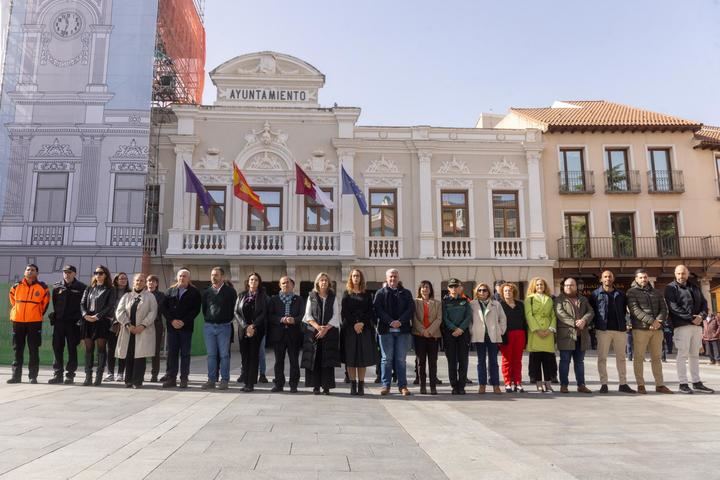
x=99 y=273
x=482 y=290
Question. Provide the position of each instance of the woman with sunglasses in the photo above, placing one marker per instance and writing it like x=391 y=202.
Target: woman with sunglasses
x=488 y=326
x=121 y=285
x=96 y=306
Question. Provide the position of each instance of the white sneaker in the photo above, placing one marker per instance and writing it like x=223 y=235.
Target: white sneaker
x=540 y=386
x=548 y=387
x=110 y=377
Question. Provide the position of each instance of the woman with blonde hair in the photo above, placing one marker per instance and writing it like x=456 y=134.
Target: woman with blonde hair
x=488 y=326
x=136 y=313
x=542 y=327
x=514 y=338
x=357 y=331
x=321 y=346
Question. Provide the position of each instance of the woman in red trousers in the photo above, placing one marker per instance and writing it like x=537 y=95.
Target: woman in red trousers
x=514 y=338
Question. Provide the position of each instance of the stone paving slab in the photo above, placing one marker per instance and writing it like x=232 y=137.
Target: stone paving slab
x=58 y=431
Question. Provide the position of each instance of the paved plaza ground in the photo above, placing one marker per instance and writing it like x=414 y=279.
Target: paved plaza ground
x=56 y=432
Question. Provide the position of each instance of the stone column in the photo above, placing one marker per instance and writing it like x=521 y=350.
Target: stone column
x=427 y=235
x=89 y=178
x=15 y=182
x=183 y=154
x=536 y=235
x=347 y=204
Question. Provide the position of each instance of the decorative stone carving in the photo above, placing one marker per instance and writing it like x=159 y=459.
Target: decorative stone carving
x=383 y=182
x=382 y=166
x=266 y=136
x=454 y=183
x=268 y=65
x=55 y=166
x=453 y=166
x=504 y=167
x=500 y=137
x=265 y=180
x=215 y=179
x=504 y=183
x=134 y=119
x=212 y=161
x=318 y=163
x=265 y=161
x=326 y=180
x=83 y=57
x=56 y=149
x=128 y=167
x=132 y=151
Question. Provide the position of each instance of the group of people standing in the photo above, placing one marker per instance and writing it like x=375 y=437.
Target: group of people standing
x=124 y=321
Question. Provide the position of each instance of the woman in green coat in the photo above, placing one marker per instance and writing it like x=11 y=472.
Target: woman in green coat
x=542 y=325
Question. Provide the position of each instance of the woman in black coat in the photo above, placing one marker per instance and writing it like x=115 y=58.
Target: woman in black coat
x=357 y=331
x=97 y=307
x=321 y=346
x=251 y=318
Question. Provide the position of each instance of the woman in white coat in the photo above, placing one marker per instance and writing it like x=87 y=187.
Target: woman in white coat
x=488 y=326
x=136 y=314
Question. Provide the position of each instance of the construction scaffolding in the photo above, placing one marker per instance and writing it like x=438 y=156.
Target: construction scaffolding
x=179 y=53
x=179 y=76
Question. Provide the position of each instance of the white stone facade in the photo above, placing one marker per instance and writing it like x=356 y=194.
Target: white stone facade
x=267 y=117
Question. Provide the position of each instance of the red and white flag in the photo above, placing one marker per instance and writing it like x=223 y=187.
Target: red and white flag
x=305 y=186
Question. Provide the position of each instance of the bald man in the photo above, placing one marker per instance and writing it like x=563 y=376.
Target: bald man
x=686 y=309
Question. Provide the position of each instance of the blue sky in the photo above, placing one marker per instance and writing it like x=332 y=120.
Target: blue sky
x=442 y=63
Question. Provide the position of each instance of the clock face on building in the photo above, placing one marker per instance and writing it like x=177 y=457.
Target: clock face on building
x=67 y=24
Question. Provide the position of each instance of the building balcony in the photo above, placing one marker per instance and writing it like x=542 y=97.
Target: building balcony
x=125 y=234
x=576 y=182
x=508 y=248
x=214 y=242
x=456 y=247
x=622 y=181
x=48 y=234
x=666 y=181
x=626 y=247
x=383 y=247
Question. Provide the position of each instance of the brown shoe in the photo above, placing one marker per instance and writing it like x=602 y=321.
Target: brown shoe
x=496 y=389
x=583 y=389
x=404 y=392
x=481 y=389
x=385 y=391
x=641 y=389
x=663 y=389
x=564 y=389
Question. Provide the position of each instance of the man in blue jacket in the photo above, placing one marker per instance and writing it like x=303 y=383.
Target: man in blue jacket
x=610 y=306
x=394 y=307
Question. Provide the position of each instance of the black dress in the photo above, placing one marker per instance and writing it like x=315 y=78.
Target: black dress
x=357 y=350
x=321 y=356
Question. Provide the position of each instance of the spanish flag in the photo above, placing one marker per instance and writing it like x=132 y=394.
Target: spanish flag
x=243 y=191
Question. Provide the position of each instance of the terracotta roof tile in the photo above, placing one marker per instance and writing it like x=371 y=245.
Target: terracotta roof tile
x=709 y=137
x=603 y=115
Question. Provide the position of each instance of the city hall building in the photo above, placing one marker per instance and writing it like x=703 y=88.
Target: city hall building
x=443 y=202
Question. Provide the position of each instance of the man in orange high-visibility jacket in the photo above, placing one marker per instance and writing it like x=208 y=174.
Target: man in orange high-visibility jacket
x=29 y=300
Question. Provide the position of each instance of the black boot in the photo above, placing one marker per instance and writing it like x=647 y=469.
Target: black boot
x=353 y=388
x=423 y=386
x=88 y=369
x=361 y=388
x=102 y=358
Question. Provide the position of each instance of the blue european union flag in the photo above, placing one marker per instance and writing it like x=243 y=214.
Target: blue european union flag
x=349 y=187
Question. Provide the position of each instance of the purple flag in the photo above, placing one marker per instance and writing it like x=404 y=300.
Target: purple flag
x=193 y=185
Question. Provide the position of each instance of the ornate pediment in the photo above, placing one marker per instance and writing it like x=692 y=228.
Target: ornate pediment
x=264 y=161
x=266 y=64
x=454 y=183
x=132 y=151
x=453 y=166
x=319 y=163
x=128 y=167
x=504 y=167
x=55 y=149
x=504 y=183
x=55 y=166
x=382 y=165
